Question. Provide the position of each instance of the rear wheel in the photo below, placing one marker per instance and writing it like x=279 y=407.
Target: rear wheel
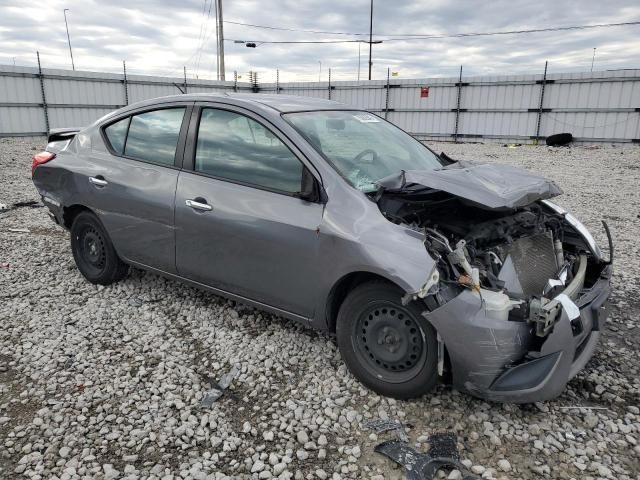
x=389 y=347
x=93 y=251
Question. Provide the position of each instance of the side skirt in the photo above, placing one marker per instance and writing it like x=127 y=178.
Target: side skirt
x=231 y=296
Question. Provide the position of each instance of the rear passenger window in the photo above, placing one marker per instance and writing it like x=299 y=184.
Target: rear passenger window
x=116 y=134
x=237 y=148
x=153 y=136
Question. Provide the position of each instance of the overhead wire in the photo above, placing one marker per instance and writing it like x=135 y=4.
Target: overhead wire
x=206 y=28
x=293 y=41
x=510 y=32
x=285 y=29
x=418 y=36
x=199 y=43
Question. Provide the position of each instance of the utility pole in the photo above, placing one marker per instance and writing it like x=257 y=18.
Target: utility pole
x=68 y=38
x=220 y=40
x=359 y=44
x=217 y=43
x=593 y=58
x=370 y=37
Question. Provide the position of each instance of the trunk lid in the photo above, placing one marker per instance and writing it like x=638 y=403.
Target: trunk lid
x=59 y=138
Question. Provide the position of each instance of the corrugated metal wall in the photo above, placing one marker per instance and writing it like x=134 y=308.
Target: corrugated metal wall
x=598 y=106
x=80 y=98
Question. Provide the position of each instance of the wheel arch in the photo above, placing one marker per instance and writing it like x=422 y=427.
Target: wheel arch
x=71 y=212
x=341 y=289
x=350 y=281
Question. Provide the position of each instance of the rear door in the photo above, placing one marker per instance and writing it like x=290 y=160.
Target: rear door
x=134 y=183
x=239 y=225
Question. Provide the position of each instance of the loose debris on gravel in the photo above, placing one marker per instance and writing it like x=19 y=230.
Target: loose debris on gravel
x=109 y=382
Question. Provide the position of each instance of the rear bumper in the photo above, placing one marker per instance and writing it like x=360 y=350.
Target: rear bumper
x=500 y=361
x=55 y=209
x=53 y=217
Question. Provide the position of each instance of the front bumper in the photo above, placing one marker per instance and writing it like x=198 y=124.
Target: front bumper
x=499 y=360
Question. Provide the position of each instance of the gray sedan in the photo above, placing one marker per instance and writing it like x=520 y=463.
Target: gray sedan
x=426 y=268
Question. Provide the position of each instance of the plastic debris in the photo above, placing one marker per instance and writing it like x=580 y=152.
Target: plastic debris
x=217 y=389
x=444 y=444
x=28 y=203
x=381 y=426
x=18 y=230
x=443 y=454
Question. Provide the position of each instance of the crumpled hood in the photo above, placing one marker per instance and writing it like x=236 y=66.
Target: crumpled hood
x=488 y=185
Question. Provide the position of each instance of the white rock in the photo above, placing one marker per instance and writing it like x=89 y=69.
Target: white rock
x=302 y=436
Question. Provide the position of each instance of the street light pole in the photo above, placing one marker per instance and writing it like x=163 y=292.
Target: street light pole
x=68 y=38
x=320 y=70
x=370 y=37
x=593 y=58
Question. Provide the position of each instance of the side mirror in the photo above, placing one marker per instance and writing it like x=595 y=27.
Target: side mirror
x=447 y=159
x=310 y=189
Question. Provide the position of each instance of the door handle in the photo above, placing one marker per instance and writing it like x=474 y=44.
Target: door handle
x=98 y=181
x=205 y=207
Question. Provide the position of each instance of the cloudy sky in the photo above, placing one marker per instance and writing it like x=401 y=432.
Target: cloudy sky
x=160 y=36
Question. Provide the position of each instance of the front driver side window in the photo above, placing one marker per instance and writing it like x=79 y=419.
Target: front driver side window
x=235 y=147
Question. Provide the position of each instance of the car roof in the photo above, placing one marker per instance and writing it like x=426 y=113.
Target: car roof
x=288 y=103
x=278 y=102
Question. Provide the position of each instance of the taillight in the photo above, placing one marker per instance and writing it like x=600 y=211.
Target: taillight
x=40 y=158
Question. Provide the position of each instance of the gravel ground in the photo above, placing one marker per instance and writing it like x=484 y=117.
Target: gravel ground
x=102 y=382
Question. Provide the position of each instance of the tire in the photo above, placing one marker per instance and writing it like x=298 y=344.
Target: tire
x=389 y=347
x=93 y=251
x=559 y=139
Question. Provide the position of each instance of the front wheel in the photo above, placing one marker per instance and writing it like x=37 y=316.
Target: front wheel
x=389 y=347
x=93 y=251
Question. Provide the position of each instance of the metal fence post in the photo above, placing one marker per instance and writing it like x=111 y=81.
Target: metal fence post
x=124 y=81
x=459 y=84
x=235 y=80
x=544 y=83
x=254 y=81
x=185 y=79
x=386 y=100
x=44 y=97
x=329 y=83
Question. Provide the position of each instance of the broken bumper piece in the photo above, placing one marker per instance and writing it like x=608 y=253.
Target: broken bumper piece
x=503 y=361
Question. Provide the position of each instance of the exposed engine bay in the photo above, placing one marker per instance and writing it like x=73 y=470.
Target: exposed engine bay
x=525 y=263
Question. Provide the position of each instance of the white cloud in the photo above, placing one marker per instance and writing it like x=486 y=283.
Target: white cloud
x=160 y=36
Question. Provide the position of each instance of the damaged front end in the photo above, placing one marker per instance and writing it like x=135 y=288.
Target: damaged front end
x=518 y=293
